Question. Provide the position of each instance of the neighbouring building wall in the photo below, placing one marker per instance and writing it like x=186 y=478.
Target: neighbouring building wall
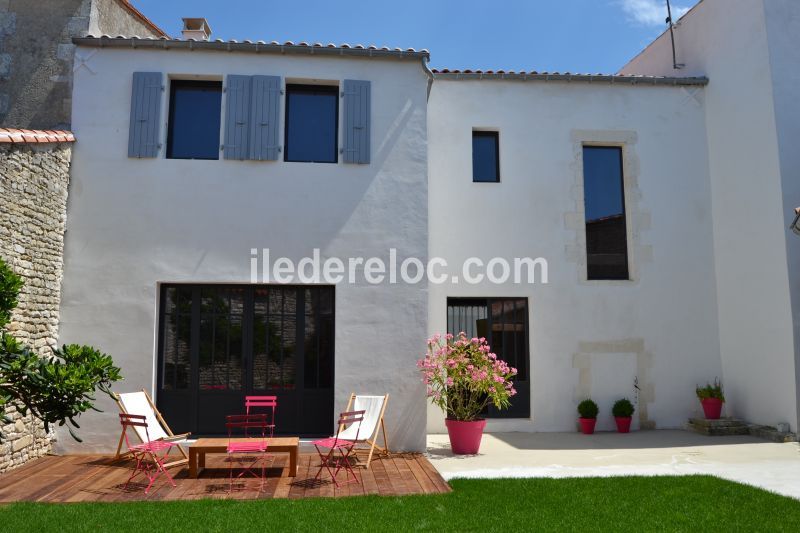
x=748 y=48
x=783 y=32
x=33 y=201
x=587 y=338
x=134 y=223
x=115 y=17
x=36 y=54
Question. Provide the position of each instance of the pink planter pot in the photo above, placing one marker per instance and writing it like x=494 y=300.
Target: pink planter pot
x=465 y=437
x=712 y=408
x=587 y=425
x=623 y=423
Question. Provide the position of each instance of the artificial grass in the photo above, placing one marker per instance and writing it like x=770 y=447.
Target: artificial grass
x=696 y=503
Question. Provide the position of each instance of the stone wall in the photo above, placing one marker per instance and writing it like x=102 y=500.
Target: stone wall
x=33 y=202
x=37 y=55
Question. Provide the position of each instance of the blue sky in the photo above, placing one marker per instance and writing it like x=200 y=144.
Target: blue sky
x=553 y=35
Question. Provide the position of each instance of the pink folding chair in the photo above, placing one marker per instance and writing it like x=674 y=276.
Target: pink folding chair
x=248 y=441
x=268 y=402
x=329 y=459
x=150 y=455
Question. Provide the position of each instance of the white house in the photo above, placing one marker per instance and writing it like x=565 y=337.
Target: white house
x=171 y=190
x=658 y=200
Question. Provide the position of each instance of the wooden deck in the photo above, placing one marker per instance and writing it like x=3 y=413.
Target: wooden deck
x=96 y=478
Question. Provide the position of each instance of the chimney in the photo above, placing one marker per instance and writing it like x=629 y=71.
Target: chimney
x=196 y=28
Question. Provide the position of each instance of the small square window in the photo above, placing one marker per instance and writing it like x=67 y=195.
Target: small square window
x=312 y=116
x=485 y=156
x=194 y=119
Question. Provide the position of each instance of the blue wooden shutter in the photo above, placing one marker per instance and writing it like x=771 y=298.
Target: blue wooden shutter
x=237 y=116
x=356 y=121
x=265 y=113
x=144 y=131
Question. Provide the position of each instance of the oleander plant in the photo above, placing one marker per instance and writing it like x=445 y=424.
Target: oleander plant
x=55 y=388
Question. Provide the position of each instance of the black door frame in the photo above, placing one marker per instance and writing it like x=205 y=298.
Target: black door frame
x=521 y=402
x=174 y=403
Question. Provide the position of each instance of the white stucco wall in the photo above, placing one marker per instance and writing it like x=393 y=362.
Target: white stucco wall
x=133 y=223
x=664 y=320
x=750 y=106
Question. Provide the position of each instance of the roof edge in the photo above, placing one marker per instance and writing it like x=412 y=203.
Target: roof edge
x=581 y=78
x=258 y=47
x=15 y=136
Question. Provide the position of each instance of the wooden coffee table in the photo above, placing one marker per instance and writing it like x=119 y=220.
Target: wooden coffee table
x=203 y=446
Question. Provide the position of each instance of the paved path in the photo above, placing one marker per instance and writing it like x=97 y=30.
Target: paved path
x=771 y=466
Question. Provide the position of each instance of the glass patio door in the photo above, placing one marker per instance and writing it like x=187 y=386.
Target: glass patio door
x=504 y=323
x=219 y=343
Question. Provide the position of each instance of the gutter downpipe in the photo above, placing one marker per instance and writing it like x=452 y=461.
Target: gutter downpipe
x=429 y=74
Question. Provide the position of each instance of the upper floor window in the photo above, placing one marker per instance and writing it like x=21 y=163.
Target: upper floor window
x=485 y=156
x=312 y=113
x=604 y=202
x=194 y=119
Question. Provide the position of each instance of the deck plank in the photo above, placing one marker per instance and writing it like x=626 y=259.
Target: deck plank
x=433 y=474
x=420 y=475
x=96 y=478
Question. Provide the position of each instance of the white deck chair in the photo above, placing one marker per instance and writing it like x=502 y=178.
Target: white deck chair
x=374 y=408
x=140 y=403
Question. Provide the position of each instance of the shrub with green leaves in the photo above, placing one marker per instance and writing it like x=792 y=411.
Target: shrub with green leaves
x=623 y=408
x=56 y=389
x=711 y=390
x=10 y=284
x=588 y=409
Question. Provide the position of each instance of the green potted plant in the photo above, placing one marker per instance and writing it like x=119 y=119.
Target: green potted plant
x=587 y=410
x=623 y=414
x=711 y=398
x=463 y=376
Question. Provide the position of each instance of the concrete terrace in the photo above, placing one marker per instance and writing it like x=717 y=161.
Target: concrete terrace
x=771 y=466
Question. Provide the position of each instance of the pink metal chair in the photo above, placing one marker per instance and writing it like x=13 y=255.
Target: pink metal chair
x=270 y=403
x=248 y=441
x=329 y=459
x=150 y=455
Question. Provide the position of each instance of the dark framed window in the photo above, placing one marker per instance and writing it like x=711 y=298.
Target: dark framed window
x=604 y=202
x=194 y=119
x=485 y=156
x=504 y=323
x=312 y=118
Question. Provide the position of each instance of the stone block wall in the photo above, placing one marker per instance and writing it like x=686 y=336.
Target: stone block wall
x=33 y=200
x=37 y=57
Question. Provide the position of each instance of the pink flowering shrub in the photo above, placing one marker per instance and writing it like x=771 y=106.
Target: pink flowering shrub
x=463 y=376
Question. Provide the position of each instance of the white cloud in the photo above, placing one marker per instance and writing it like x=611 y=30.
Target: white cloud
x=650 y=12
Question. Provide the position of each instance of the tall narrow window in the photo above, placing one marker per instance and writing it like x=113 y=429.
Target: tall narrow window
x=604 y=201
x=504 y=323
x=312 y=115
x=485 y=156
x=194 y=119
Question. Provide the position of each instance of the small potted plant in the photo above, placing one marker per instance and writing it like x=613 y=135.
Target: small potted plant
x=587 y=410
x=623 y=414
x=463 y=376
x=711 y=397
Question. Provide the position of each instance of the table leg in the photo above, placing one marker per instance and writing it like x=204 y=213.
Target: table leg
x=293 y=462
x=192 y=463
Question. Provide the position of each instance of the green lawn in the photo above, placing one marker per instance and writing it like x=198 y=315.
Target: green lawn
x=697 y=503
